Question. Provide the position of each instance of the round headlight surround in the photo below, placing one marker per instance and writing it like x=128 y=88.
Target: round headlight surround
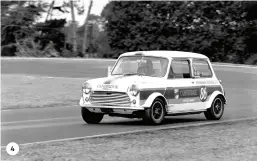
x=86 y=88
x=134 y=90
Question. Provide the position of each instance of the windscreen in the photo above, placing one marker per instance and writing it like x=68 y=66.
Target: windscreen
x=141 y=65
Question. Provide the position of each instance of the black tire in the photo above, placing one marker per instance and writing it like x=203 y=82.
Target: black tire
x=216 y=110
x=91 y=117
x=156 y=113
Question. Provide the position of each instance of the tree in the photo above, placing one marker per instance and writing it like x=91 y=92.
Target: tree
x=103 y=47
x=51 y=31
x=17 y=23
x=215 y=28
x=96 y=36
x=251 y=31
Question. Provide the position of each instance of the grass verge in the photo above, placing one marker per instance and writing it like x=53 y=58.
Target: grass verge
x=21 y=91
x=228 y=141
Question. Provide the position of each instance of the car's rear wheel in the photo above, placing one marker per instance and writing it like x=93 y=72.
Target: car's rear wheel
x=91 y=117
x=216 y=110
x=156 y=113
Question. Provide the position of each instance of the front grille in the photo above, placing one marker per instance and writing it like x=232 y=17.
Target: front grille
x=109 y=98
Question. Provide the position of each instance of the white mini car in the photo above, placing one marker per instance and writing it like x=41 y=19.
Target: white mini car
x=154 y=84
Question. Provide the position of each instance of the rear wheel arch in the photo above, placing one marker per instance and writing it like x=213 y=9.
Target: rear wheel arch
x=214 y=95
x=216 y=110
x=223 y=98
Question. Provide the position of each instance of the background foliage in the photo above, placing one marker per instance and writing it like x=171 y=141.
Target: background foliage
x=225 y=31
x=21 y=36
x=221 y=30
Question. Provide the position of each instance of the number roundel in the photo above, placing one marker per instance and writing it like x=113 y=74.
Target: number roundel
x=203 y=94
x=12 y=148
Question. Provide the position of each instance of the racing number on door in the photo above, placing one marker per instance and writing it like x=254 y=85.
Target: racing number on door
x=203 y=94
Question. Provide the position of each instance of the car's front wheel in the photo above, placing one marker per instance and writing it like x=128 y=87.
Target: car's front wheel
x=91 y=117
x=216 y=111
x=156 y=113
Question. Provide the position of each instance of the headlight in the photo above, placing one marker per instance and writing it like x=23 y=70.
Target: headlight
x=134 y=90
x=86 y=88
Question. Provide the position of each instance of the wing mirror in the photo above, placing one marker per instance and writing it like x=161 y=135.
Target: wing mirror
x=109 y=71
x=196 y=76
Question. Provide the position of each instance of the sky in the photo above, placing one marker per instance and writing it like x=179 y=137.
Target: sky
x=97 y=8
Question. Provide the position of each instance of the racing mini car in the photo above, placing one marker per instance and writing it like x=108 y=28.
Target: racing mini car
x=153 y=84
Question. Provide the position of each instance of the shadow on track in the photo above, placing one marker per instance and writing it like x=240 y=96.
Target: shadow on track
x=139 y=122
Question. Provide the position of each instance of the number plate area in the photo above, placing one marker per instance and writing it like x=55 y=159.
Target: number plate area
x=107 y=110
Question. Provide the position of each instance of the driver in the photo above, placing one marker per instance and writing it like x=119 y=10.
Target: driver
x=146 y=68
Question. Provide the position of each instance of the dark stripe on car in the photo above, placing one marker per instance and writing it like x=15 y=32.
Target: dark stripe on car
x=183 y=92
x=147 y=92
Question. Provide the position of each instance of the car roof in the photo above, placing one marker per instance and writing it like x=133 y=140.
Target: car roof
x=166 y=54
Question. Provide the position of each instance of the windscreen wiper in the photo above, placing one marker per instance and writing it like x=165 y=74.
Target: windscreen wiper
x=129 y=74
x=125 y=74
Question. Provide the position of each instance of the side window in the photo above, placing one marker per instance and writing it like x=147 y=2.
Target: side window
x=179 y=69
x=201 y=68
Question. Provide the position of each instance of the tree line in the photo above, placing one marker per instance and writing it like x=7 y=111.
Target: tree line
x=224 y=31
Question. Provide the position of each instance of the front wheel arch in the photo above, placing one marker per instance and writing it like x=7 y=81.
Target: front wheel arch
x=148 y=115
x=165 y=103
x=91 y=117
x=149 y=101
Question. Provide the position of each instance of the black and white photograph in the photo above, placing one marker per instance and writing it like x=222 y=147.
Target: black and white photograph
x=107 y=80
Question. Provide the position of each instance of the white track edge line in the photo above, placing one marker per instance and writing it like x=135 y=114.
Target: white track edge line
x=139 y=131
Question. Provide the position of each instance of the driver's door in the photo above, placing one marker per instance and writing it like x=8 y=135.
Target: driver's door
x=181 y=93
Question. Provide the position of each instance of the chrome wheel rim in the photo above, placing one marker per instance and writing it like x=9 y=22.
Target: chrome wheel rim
x=157 y=111
x=218 y=107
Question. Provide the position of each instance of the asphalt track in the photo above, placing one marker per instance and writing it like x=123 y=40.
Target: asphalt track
x=35 y=125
